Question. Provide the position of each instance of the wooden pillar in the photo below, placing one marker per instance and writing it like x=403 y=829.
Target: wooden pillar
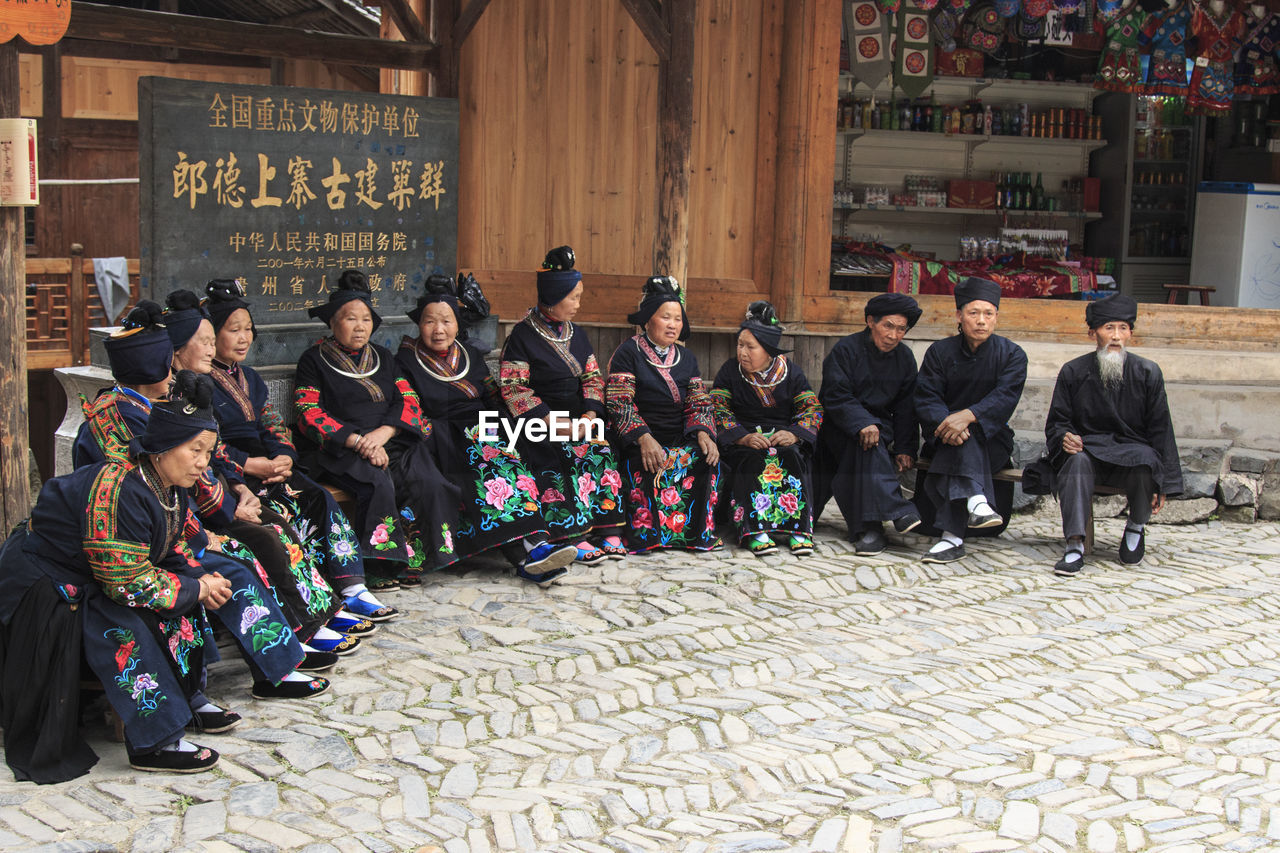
x=808 y=84
x=14 y=438
x=675 y=139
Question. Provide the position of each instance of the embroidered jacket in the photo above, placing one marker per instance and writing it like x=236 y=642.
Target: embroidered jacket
x=777 y=398
x=539 y=372
x=667 y=401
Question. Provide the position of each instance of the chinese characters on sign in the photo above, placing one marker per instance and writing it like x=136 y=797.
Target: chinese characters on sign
x=286 y=187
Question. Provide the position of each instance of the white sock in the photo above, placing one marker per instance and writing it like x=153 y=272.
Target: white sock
x=368 y=598
x=1132 y=533
x=323 y=633
x=180 y=746
x=948 y=540
x=295 y=676
x=354 y=589
x=1075 y=551
x=978 y=502
x=207 y=708
x=529 y=545
x=308 y=649
x=347 y=614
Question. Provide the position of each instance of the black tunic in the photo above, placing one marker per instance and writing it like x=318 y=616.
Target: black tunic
x=770 y=490
x=408 y=502
x=1125 y=426
x=674 y=508
x=551 y=367
x=498 y=494
x=861 y=387
x=989 y=383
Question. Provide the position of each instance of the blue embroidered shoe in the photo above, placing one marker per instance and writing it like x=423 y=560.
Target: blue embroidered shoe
x=342 y=645
x=365 y=610
x=352 y=625
x=547 y=557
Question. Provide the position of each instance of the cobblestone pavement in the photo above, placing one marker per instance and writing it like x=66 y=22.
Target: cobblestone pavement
x=716 y=703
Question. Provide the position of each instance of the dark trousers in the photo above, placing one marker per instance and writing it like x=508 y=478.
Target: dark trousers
x=1077 y=478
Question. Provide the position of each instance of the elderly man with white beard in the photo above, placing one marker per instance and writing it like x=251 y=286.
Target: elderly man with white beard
x=1109 y=423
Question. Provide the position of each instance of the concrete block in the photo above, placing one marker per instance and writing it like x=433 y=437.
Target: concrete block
x=1246 y=461
x=1243 y=514
x=1238 y=489
x=1202 y=464
x=1109 y=506
x=1186 y=511
x=1269 y=499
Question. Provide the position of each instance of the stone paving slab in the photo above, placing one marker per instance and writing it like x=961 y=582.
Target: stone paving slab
x=709 y=703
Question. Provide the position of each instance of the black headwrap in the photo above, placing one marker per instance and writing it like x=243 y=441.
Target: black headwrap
x=141 y=352
x=182 y=316
x=762 y=323
x=465 y=298
x=557 y=278
x=658 y=290
x=351 y=285
x=972 y=289
x=1116 y=308
x=224 y=297
x=885 y=304
x=187 y=413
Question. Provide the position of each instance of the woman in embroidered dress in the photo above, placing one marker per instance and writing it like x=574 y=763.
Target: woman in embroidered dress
x=261 y=446
x=767 y=420
x=499 y=504
x=102 y=566
x=140 y=354
x=360 y=427
x=664 y=433
x=548 y=366
x=257 y=532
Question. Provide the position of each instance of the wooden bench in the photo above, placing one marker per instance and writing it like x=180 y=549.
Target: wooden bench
x=1014 y=475
x=1185 y=291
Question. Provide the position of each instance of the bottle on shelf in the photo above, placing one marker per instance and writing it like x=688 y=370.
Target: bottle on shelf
x=875 y=114
x=1037 y=196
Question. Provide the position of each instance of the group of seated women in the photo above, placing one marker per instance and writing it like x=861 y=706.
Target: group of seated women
x=191 y=500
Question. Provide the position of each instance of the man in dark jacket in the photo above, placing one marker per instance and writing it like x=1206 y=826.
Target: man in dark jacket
x=1109 y=422
x=869 y=434
x=968 y=388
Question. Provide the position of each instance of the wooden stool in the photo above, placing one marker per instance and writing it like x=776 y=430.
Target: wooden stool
x=1186 y=290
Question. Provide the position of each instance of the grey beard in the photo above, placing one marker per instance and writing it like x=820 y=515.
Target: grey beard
x=1111 y=368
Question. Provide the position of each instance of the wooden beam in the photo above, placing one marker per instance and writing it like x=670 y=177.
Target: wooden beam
x=15 y=497
x=302 y=20
x=410 y=25
x=648 y=18
x=442 y=17
x=809 y=78
x=467 y=21
x=135 y=26
x=675 y=139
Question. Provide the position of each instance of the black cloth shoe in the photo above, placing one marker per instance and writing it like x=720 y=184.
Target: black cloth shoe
x=318 y=662
x=170 y=761
x=542 y=578
x=1135 y=556
x=979 y=520
x=906 y=523
x=946 y=555
x=1066 y=568
x=213 y=722
x=290 y=689
x=871 y=541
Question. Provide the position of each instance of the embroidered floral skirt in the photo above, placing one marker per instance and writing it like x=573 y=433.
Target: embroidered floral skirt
x=328 y=540
x=402 y=512
x=500 y=494
x=580 y=489
x=674 y=508
x=291 y=571
x=252 y=618
x=770 y=491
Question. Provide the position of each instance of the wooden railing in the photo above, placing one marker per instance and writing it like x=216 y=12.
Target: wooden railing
x=62 y=305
